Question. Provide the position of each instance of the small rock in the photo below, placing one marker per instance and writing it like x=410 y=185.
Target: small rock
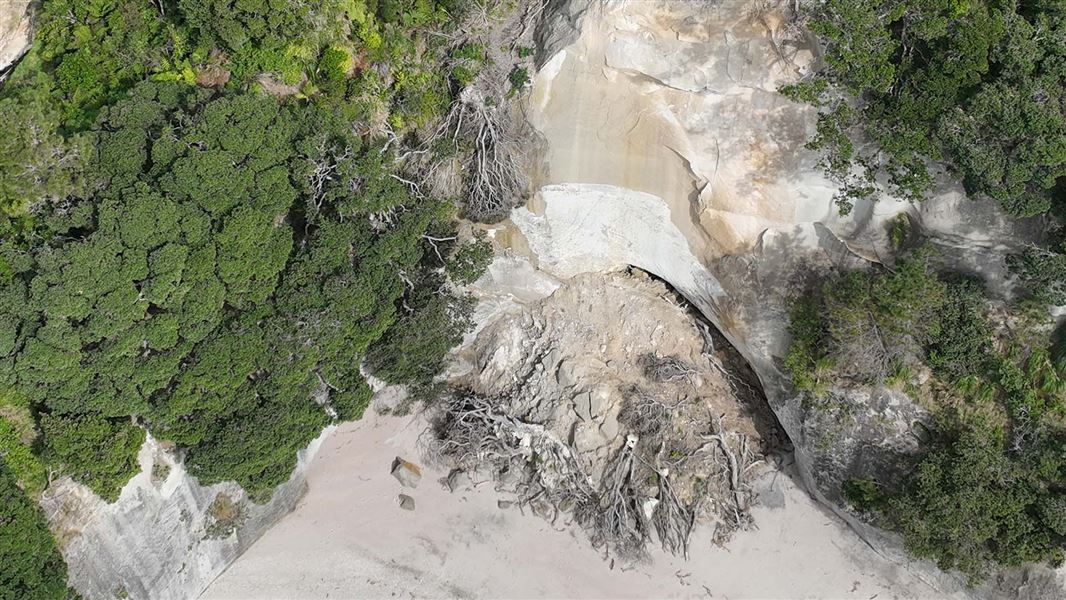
x=649 y=507
x=599 y=400
x=609 y=428
x=407 y=473
x=510 y=478
x=407 y=502
x=543 y=509
x=504 y=504
x=583 y=406
x=458 y=481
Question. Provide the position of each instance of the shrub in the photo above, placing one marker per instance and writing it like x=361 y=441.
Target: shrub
x=863 y=494
x=470 y=260
x=334 y=64
x=960 y=82
x=967 y=506
x=865 y=325
x=518 y=78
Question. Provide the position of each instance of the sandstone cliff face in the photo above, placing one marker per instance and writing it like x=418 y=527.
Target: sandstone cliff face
x=16 y=18
x=664 y=145
x=167 y=536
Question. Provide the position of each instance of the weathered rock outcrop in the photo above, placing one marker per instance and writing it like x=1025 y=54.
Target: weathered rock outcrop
x=167 y=536
x=16 y=23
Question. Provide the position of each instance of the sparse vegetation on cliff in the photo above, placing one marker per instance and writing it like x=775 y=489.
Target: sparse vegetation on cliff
x=986 y=490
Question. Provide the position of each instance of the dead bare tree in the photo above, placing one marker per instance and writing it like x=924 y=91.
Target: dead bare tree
x=642 y=413
x=492 y=162
x=471 y=432
x=615 y=519
x=673 y=521
x=666 y=368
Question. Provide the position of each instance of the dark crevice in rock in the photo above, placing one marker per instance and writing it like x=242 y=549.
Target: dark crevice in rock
x=749 y=390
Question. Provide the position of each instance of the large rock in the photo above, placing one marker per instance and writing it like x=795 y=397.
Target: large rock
x=16 y=20
x=407 y=473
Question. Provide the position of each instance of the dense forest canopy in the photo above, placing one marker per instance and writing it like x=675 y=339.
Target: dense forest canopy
x=204 y=237
x=909 y=85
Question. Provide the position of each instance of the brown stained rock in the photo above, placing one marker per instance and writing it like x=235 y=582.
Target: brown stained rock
x=407 y=473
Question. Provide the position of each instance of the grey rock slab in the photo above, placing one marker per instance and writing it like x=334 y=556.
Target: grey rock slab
x=407 y=473
x=458 y=481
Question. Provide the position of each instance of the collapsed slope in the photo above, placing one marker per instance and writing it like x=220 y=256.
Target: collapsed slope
x=605 y=402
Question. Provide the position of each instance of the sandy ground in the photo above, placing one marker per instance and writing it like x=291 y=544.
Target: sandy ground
x=349 y=538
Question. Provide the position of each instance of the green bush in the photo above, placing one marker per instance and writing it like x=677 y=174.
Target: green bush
x=865 y=325
x=963 y=343
x=470 y=261
x=968 y=506
x=333 y=65
x=519 y=79
x=863 y=494
x=16 y=441
x=413 y=351
x=1043 y=273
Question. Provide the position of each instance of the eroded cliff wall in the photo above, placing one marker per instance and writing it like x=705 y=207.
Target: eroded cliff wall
x=167 y=536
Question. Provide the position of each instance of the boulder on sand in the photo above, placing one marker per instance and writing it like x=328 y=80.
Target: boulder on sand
x=407 y=473
x=407 y=502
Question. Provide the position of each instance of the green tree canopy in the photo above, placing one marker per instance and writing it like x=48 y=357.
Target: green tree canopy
x=979 y=85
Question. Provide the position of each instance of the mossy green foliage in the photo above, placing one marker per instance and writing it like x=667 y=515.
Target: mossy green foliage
x=88 y=54
x=519 y=79
x=970 y=83
x=470 y=260
x=91 y=51
x=38 y=165
x=99 y=452
x=333 y=66
x=32 y=566
x=18 y=433
x=431 y=323
x=234 y=27
x=467 y=60
x=414 y=350
x=1042 y=272
x=214 y=265
x=970 y=504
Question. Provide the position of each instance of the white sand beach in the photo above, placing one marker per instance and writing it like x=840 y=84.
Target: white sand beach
x=349 y=538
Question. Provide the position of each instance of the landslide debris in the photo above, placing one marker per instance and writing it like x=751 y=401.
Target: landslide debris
x=605 y=404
